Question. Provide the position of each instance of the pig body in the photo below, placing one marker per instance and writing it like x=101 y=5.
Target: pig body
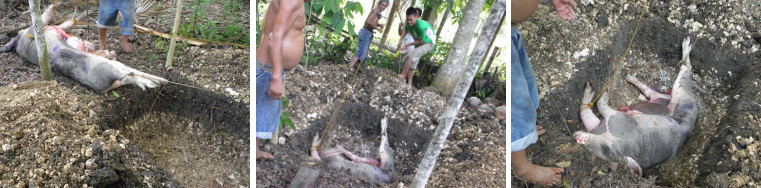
x=96 y=72
x=648 y=133
x=376 y=170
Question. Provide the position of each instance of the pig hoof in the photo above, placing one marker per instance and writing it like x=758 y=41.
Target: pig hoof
x=581 y=138
x=634 y=165
x=587 y=98
x=630 y=78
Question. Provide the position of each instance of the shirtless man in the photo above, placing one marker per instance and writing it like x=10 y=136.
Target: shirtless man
x=280 y=49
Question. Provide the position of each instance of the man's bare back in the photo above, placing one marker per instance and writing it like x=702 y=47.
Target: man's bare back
x=293 y=38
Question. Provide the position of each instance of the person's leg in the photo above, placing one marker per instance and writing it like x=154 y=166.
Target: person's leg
x=410 y=74
x=363 y=45
x=533 y=173
x=268 y=109
x=260 y=153
x=102 y=36
x=106 y=18
x=523 y=129
x=353 y=60
x=406 y=68
x=414 y=59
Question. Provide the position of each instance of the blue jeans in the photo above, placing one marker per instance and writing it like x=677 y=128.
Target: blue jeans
x=107 y=12
x=267 y=108
x=524 y=96
x=365 y=38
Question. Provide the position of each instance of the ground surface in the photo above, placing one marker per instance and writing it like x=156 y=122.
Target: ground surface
x=474 y=154
x=721 y=150
x=171 y=136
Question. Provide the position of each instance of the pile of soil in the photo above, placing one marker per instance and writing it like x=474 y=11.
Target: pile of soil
x=476 y=145
x=194 y=135
x=566 y=55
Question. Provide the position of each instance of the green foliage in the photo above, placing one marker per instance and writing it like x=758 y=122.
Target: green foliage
x=115 y=94
x=334 y=16
x=285 y=117
x=230 y=29
x=328 y=46
x=381 y=58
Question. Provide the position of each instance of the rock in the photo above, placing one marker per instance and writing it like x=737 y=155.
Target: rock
x=492 y=101
x=501 y=112
x=485 y=108
x=3 y=37
x=103 y=177
x=473 y=101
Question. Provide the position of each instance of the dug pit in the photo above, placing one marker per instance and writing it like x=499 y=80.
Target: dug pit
x=725 y=81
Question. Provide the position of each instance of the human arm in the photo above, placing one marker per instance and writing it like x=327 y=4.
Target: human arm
x=401 y=40
x=401 y=28
x=372 y=19
x=413 y=43
x=521 y=10
x=284 y=20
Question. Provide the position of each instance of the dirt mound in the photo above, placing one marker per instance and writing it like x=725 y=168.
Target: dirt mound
x=49 y=140
x=412 y=117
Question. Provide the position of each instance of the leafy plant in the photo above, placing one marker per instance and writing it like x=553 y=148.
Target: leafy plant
x=284 y=117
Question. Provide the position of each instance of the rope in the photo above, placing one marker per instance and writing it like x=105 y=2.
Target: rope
x=333 y=115
x=589 y=105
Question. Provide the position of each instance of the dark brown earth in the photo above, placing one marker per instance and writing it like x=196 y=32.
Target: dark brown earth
x=169 y=136
x=474 y=154
x=720 y=151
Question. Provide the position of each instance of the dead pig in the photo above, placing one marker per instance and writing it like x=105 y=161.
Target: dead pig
x=96 y=72
x=648 y=133
x=376 y=170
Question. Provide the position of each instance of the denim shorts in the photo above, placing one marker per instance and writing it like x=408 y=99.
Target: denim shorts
x=107 y=12
x=524 y=96
x=365 y=38
x=267 y=108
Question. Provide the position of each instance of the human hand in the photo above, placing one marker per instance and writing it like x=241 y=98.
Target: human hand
x=276 y=88
x=565 y=8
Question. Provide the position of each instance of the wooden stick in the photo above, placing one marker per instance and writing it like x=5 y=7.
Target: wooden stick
x=173 y=44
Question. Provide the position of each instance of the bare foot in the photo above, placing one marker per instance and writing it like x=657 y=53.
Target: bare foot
x=541 y=175
x=124 y=40
x=262 y=154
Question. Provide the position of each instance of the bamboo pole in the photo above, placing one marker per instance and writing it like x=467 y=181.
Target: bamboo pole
x=173 y=44
x=39 y=40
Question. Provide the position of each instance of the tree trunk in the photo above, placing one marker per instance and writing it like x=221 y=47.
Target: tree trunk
x=444 y=19
x=452 y=68
x=492 y=42
x=389 y=22
x=430 y=14
x=455 y=102
x=39 y=40
x=413 y=3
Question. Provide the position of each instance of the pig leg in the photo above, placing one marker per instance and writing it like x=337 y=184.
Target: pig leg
x=354 y=158
x=634 y=165
x=590 y=120
x=646 y=90
x=684 y=100
x=313 y=149
x=385 y=154
x=602 y=106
